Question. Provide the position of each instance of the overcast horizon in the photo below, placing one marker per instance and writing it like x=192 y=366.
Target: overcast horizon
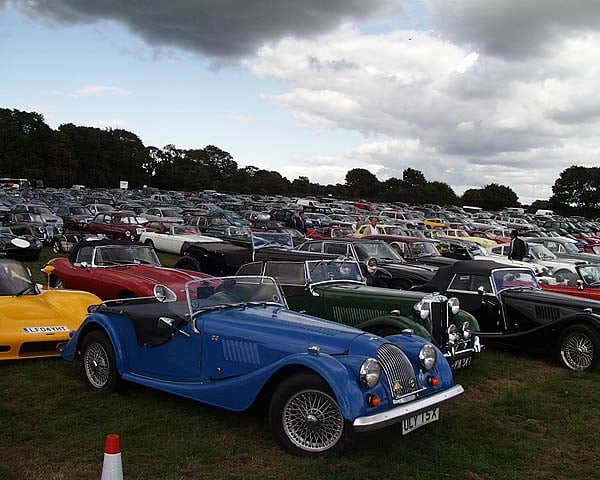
x=468 y=92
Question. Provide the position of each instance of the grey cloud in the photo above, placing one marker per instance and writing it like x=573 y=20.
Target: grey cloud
x=514 y=28
x=216 y=28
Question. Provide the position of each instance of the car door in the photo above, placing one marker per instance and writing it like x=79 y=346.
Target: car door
x=485 y=307
x=178 y=359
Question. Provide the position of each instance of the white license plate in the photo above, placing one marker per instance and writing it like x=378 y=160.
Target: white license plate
x=461 y=363
x=412 y=423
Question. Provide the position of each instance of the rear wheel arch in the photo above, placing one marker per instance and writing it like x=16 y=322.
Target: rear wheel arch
x=188 y=262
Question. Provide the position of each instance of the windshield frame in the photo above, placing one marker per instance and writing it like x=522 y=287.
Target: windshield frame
x=520 y=270
x=194 y=312
x=136 y=262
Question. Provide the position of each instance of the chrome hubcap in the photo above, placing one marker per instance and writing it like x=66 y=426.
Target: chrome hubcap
x=312 y=420
x=96 y=365
x=577 y=351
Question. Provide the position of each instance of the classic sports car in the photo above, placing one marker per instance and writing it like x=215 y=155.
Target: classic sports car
x=336 y=290
x=513 y=311
x=19 y=247
x=374 y=255
x=116 y=269
x=584 y=283
x=415 y=250
x=224 y=258
x=234 y=339
x=173 y=237
x=34 y=321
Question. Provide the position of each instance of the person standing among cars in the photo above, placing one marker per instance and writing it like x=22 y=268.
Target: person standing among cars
x=518 y=248
x=373 y=226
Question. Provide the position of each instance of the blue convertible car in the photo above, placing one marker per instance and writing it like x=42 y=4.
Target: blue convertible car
x=234 y=338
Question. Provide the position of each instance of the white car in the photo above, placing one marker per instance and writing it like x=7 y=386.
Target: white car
x=542 y=256
x=172 y=237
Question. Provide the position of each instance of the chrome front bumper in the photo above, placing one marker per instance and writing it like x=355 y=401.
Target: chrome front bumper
x=397 y=414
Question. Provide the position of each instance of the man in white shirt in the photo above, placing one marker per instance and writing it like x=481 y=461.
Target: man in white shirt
x=373 y=226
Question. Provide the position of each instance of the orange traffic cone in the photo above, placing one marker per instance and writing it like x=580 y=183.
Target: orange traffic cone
x=112 y=469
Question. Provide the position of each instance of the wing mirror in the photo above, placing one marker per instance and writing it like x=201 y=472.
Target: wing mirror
x=164 y=294
x=481 y=290
x=579 y=284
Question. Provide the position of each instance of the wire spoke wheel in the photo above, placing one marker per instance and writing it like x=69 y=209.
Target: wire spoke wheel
x=97 y=365
x=312 y=420
x=577 y=351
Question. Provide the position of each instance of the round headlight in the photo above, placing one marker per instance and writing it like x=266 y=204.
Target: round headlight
x=427 y=357
x=423 y=309
x=370 y=372
x=453 y=335
x=466 y=328
x=454 y=305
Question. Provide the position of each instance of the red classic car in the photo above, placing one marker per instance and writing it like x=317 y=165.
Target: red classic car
x=586 y=283
x=117 y=269
x=118 y=225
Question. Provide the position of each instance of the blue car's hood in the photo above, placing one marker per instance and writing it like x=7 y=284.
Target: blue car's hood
x=273 y=326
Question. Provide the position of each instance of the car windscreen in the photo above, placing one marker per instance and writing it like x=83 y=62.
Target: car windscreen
x=379 y=250
x=270 y=239
x=15 y=279
x=219 y=293
x=166 y=212
x=590 y=274
x=79 y=211
x=540 y=252
x=334 y=270
x=186 y=230
x=504 y=279
x=114 y=255
x=424 y=249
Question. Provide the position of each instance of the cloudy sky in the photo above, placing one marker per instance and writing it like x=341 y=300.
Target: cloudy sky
x=468 y=91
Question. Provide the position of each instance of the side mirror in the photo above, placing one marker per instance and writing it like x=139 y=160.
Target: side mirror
x=164 y=294
x=481 y=290
x=84 y=265
x=579 y=284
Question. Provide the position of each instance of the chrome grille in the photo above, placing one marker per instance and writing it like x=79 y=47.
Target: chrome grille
x=398 y=370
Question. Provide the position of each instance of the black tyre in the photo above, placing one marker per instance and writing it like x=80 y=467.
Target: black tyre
x=306 y=419
x=188 y=263
x=56 y=246
x=99 y=364
x=578 y=347
x=56 y=282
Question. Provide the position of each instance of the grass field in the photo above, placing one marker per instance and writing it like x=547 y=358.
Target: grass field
x=521 y=418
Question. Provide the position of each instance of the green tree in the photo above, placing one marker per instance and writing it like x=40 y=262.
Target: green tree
x=362 y=183
x=413 y=178
x=577 y=187
x=491 y=197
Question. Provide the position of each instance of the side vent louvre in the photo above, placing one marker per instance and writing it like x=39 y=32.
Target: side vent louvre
x=544 y=312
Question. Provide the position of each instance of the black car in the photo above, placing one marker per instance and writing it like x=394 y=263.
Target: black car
x=25 y=247
x=380 y=263
x=513 y=311
x=30 y=224
x=75 y=217
x=225 y=257
x=416 y=250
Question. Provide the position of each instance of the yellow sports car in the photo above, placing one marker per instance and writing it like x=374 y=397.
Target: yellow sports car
x=34 y=321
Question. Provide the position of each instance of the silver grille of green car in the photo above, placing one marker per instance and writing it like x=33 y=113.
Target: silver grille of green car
x=398 y=370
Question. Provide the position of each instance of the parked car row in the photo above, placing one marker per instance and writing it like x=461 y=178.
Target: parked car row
x=339 y=334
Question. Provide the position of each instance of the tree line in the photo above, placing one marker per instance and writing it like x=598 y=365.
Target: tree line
x=100 y=158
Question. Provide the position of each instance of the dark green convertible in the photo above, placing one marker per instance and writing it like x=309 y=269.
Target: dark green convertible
x=336 y=290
